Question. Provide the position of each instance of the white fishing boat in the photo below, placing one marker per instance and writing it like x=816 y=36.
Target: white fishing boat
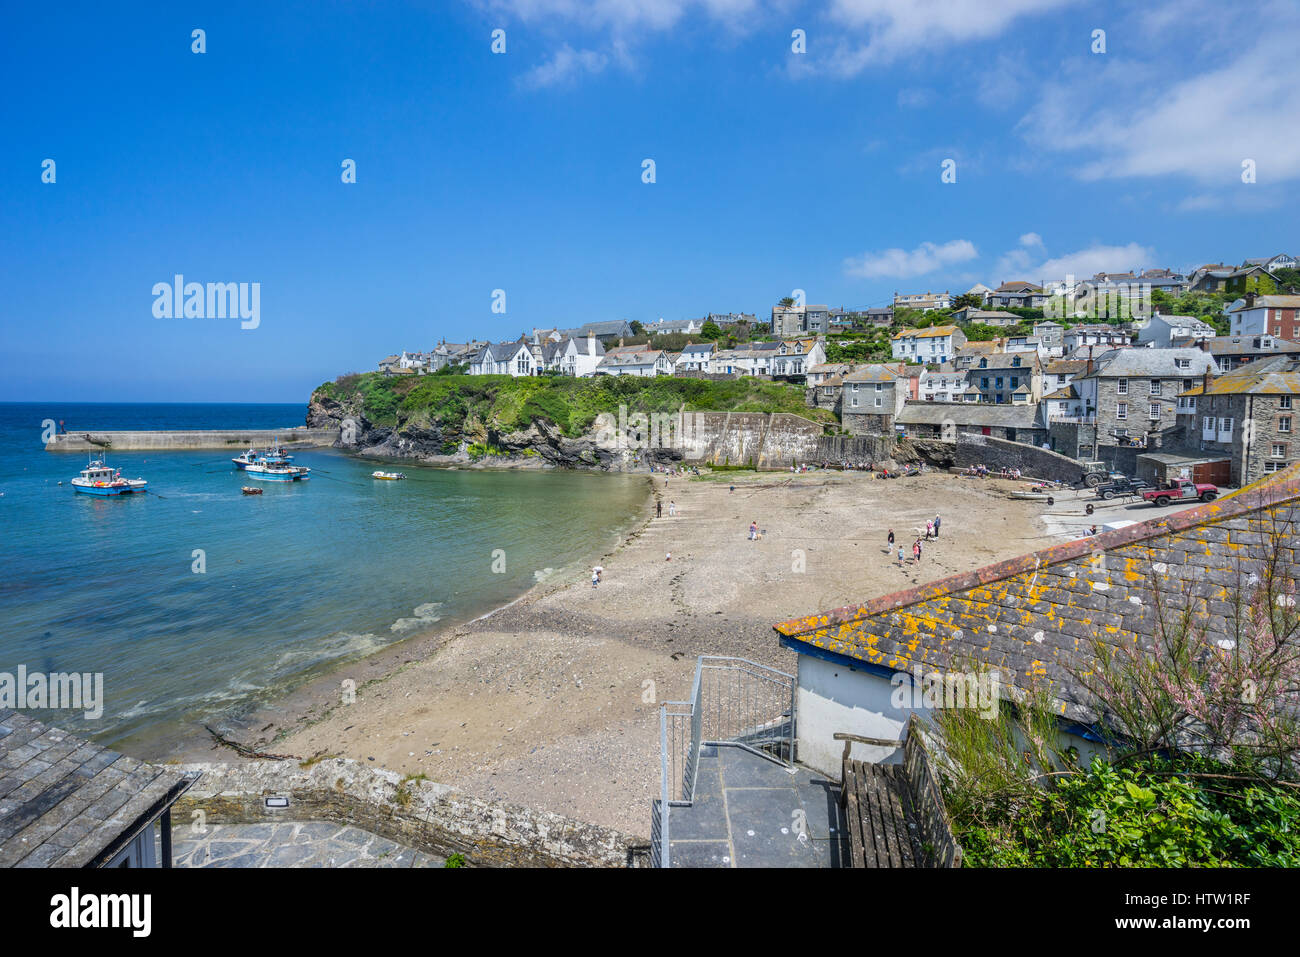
x=387 y=476
x=100 y=479
x=276 y=472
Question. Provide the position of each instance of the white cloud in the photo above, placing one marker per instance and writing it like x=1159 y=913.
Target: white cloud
x=902 y=264
x=1158 y=118
x=1031 y=239
x=899 y=29
x=567 y=64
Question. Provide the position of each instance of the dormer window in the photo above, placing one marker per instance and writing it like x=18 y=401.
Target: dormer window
x=1016 y=361
x=984 y=363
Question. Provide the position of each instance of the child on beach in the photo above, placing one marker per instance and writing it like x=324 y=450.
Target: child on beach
x=900 y=556
x=672 y=508
x=929 y=530
x=753 y=531
x=916 y=551
x=595 y=578
x=891 y=540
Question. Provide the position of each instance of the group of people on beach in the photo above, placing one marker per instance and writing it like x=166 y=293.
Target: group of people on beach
x=931 y=530
x=983 y=471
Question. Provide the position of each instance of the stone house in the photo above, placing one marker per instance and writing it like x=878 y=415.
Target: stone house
x=1134 y=392
x=1168 y=332
x=871 y=399
x=1251 y=415
x=1010 y=378
x=945 y=420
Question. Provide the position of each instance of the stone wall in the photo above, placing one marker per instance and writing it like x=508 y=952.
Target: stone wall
x=775 y=440
x=854 y=449
x=1000 y=454
x=423 y=815
x=237 y=440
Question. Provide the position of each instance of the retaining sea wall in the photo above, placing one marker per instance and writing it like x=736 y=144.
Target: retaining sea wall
x=429 y=817
x=236 y=439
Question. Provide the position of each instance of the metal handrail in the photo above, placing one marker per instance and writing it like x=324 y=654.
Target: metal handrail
x=749 y=705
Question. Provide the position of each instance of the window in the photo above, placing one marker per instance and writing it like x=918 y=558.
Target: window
x=1121 y=410
x=1274 y=466
x=1121 y=433
x=1016 y=362
x=1284 y=402
x=984 y=382
x=1188 y=384
x=1121 y=387
x=879 y=386
x=999 y=383
x=877 y=402
x=1279 y=450
x=1208 y=424
x=1015 y=381
x=1284 y=423
x=1154 y=410
x=1155 y=386
x=1183 y=363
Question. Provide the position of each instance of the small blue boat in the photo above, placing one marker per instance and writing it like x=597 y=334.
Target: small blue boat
x=100 y=479
x=277 y=472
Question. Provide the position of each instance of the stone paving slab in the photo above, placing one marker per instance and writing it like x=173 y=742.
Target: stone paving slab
x=291 y=844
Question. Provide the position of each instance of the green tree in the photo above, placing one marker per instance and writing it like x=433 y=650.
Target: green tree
x=711 y=331
x=785 y=301
x=638 y=329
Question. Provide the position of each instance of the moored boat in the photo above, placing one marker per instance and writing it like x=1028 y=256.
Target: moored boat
x=249 y=490
x=276 y=472
x=100 y=479
x=275 y=455
x=388 y=476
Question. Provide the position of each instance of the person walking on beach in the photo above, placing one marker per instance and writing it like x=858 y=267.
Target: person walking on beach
x=753 y=531
x=595 y=577
x=891 y=540
x=929 y=530
x=672 y=508
x=900 y=556
x=936 y=526
x=659 y=509
x=916 y=551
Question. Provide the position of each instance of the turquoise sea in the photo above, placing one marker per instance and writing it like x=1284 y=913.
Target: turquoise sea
x=291 y=581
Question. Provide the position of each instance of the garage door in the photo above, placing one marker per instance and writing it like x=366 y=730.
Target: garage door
x=1213 y=473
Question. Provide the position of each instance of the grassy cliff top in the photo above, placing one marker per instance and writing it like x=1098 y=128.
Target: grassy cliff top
x=508 y=404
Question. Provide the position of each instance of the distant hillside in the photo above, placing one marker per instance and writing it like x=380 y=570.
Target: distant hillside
x=436 y=416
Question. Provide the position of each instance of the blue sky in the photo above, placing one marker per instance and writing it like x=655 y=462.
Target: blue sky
x=522 y=171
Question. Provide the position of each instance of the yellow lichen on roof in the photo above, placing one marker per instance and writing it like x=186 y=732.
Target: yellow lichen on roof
x=932 y=333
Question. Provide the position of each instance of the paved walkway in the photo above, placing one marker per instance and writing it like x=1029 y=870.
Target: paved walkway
x=291 y=844
x=752 y=812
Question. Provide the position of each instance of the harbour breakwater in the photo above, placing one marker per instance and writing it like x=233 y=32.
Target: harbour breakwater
x=186 y=439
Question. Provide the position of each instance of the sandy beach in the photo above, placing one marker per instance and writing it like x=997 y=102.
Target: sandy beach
x=552 y=702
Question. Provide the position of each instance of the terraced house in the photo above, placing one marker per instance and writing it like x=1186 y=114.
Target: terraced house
x=1250 y=415
x=1134 y=392
x=1010 y=378
x=871 y=398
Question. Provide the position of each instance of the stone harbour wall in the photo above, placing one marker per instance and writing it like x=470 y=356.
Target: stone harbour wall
x=419 y=814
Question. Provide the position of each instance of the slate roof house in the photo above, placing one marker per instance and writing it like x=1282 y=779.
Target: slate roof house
x=944 y=420
x=1134 y=392
x=1006 y=377
x=1232 y=352
x=1263 y=395
x=872 y=397
x=1167 y=332
x=1031 y=618
x=65 y=802
x=506 y=358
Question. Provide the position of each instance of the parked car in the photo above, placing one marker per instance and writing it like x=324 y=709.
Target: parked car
x=1181 y=490
x=1123 y=485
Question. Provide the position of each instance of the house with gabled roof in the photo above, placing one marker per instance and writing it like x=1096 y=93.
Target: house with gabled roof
x=1031 y=620
x=506 y=358
x=936 y=344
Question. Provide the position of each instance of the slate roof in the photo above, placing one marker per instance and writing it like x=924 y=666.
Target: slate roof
x=1275 y=376
x=1034 y=618
x=1249 y=345
x=65 y=802
x=997 y=415
x=1125 y=363
x=1271 y=302
x=873 y=373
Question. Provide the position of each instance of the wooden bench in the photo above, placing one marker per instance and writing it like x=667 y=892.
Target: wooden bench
x=894 y=812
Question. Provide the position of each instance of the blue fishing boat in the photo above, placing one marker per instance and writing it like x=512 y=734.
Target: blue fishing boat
x=275 y=455
x=277 y=472
x=100 y=479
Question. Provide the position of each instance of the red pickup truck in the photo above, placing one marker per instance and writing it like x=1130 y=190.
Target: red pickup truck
x=1181 y=490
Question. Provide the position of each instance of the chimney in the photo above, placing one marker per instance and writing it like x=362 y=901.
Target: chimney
x=620 y=341
x=1250 y=300
x=1088 y=369
x=591 y=343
